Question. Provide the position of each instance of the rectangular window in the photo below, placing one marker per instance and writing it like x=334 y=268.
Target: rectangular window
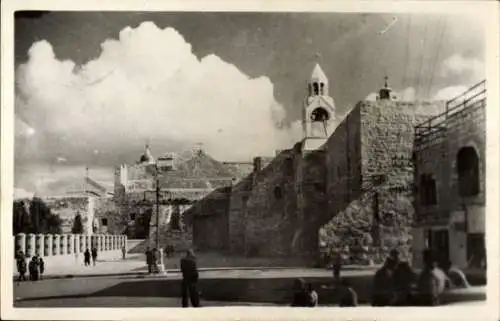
x=132 y=217
x=104 y=222
x=428 y=191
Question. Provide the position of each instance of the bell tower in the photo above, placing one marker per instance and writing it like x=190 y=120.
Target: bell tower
x=318 y=112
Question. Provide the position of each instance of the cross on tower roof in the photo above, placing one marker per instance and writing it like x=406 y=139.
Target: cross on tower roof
x=386 y=82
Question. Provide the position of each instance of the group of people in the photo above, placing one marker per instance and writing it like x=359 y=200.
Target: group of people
x=394 y=284
x=88 y=254
x=35 y=267
x=304 y=294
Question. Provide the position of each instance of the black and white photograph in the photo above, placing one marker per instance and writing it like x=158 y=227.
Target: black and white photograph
x=289 y=159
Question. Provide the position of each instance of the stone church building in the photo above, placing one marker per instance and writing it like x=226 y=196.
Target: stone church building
x=347 y=186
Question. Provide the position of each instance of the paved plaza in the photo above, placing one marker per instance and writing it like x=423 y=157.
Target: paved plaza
x=156 y=291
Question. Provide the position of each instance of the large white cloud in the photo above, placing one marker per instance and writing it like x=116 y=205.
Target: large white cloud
x=465 y=71
x=450 y=92
x=148 y=84
x=459 y=66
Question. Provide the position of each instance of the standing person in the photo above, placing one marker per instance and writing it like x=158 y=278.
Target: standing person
x=149 y=260
x=41 y=266
x=86 y=257
x=21 y=266
x=124 y=252
x=301 y=296
x=33 y=269
x=189 y=280
x=429 y=284
x=404 y=278
x=94 y=255
x=383 y=283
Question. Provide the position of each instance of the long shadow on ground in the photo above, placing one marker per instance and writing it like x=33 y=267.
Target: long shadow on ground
x=270 y=290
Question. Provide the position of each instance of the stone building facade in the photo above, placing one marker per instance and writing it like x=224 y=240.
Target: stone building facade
x=182 y=180
x=86 y=198
x=322 y=190
x=450 y=158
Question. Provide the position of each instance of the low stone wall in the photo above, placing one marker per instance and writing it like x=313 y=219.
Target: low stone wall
x=69 y=248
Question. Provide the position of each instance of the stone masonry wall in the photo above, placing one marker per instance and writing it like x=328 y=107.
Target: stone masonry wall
x=67 y=207
x=312 y=208
x=386 y=130
x=105 y=208
x=237 y=208
x=209 y=218
x=270 y=216
x=466 y=129
x=433 y=160
x=343 y=162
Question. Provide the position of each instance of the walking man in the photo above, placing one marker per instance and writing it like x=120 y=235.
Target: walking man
x=189 y=280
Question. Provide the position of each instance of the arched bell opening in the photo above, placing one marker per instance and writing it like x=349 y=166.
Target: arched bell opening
x=320 y=115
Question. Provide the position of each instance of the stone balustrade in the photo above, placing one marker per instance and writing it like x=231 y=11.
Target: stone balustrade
x=67 y=245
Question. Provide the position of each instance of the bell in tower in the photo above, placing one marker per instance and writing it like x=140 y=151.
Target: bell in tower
x=318 y=112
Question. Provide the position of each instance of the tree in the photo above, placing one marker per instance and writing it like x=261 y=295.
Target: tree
x=21 y=218
x=37 y=219
x=77 y=225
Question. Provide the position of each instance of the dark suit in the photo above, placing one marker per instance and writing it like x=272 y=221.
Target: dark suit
x=189 y=282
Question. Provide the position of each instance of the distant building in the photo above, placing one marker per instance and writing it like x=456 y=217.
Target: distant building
x=450 y=158
x=86 y=198
x=183 y=180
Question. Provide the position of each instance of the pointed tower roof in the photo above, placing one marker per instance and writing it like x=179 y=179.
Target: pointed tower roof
x=318 y=74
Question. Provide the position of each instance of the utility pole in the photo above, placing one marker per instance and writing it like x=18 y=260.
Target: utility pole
x=157 y=207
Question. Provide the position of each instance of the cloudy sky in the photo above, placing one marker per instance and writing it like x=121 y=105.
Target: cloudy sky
x=92 y=88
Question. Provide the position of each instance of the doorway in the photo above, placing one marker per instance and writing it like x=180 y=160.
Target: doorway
x=438 y=242
x=476 y=250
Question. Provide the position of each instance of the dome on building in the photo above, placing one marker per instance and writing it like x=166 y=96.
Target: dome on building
x=147 y=157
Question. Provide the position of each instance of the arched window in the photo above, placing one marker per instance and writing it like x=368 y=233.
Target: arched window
x=322 y=88
x=316 y=89
x=468 y=172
